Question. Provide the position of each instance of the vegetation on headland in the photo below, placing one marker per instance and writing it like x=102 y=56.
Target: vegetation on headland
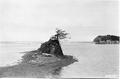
x=49 y=49
x=46 y=60
x=107 y=39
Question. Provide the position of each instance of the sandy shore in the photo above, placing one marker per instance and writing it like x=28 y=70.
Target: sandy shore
x=40 y=67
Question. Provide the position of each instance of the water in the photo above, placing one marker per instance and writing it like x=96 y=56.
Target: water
x=93 y=60
x=11 y=52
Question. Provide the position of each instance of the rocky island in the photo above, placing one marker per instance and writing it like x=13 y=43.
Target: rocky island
x=107 y=39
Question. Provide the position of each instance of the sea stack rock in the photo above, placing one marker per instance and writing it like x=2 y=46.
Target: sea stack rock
x=51 y=47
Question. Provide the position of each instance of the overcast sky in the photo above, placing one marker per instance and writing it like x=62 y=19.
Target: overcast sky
x=36 y=20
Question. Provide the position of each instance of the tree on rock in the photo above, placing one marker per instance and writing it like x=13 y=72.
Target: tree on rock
x=60 y=34
x=52 y=46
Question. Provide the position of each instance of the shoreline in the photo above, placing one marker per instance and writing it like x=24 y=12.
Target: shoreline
x=41 y=69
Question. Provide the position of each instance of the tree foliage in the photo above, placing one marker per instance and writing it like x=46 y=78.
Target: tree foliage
x=60 y=34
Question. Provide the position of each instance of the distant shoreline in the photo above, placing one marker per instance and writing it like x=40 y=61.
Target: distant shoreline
x=27 y=42
x=43 y=41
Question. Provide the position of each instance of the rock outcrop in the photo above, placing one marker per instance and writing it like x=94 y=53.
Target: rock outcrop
x=107 y=39
x=49 y=51
x=51 y=47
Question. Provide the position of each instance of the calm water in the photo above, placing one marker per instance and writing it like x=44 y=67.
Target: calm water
x=11 y=52
x=93 y=60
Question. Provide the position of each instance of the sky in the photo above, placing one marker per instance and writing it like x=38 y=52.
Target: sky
x=36 y=20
